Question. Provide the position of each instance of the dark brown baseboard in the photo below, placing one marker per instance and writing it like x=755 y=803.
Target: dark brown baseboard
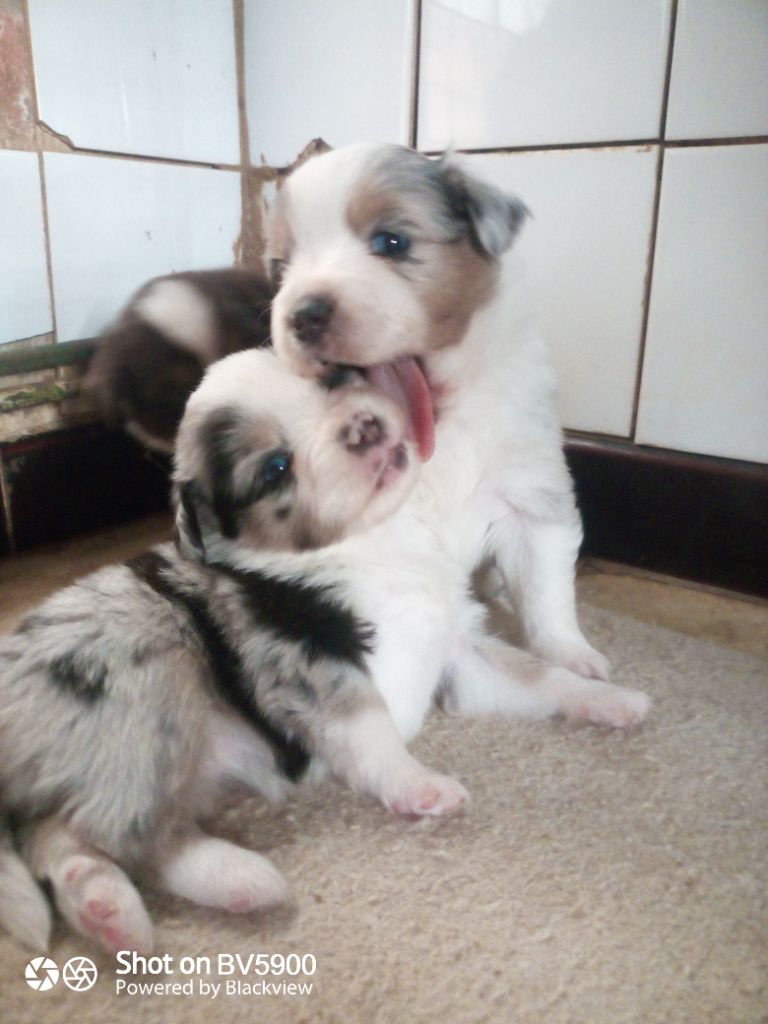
x=699 y=518
x=73 y=481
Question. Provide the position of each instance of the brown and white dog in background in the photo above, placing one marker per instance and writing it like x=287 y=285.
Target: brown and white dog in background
x=151 y=358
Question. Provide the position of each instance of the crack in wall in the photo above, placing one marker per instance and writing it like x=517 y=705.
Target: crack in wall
x=65 y=139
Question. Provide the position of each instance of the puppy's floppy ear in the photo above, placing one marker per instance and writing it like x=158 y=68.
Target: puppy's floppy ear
x=494 y=218
x=194 y=519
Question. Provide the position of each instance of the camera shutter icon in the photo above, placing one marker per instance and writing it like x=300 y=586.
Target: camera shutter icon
x=41 y=973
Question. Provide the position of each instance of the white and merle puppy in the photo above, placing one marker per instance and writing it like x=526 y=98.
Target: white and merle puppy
x=152 y=357
x=402 y=266
x=128 y=699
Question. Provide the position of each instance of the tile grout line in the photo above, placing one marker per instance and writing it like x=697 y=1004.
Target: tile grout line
x=648 y=285
x=653 y=237
x=726 y=140
x=645 y=143
x=41 y=172
x=415 y=75
x=242 y=108
x=238 y=26
x=146 y=158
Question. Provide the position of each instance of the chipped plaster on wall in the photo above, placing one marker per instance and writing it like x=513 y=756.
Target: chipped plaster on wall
x=17 y=119
x=21 y=128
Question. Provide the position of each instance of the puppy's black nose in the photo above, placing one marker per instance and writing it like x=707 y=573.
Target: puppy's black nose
x=311 y=317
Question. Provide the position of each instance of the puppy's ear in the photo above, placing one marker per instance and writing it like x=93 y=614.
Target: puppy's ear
x=493 y=217
x=193 y=520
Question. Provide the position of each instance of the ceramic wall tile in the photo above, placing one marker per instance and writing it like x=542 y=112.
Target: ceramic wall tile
x=497 y=73
x=719 y=83
x=586 y=248
x=143 y=77
x=338 y=69
x=116 y=223
x=25 y=307
x=705 y=378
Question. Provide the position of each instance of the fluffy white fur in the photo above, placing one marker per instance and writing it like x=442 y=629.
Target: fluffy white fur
x=177 y=309
x=497 y=487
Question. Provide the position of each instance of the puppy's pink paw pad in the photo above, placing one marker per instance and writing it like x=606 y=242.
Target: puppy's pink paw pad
x=242 y=903
x=116 y=935
x=104 y=905
x=258 y=887
x=99 y=909
x=441 y=796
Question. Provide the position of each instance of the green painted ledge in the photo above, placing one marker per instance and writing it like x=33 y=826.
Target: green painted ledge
x=46 y=357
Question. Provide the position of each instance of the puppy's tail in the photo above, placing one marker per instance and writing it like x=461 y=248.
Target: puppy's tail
x=24 y=911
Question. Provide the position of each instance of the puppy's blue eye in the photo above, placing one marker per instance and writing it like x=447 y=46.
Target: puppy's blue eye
x=275 y=468
x=390 y=244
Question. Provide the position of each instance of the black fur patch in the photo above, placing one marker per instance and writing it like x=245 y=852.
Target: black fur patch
x=37 y=621
x=307 y=614
x=225 y=663
x=79 y=675
x=218 y=440
x=190 y=523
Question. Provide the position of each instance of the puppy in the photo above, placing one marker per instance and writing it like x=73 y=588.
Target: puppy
x=153 y=356
x=129 y=699
x=402 y=267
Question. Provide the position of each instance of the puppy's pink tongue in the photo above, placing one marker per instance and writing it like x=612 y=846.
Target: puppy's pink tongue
x=404 y=382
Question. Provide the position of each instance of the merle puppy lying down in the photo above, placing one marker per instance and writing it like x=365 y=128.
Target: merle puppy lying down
x=128 y=699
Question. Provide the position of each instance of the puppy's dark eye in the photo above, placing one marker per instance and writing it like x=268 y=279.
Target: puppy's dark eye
x=275 y=470
x=390 y=244
x=277 y=270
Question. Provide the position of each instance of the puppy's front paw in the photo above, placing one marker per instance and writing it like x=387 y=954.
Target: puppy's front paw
x=100 y=902
x=577 y=656
x=427 y=793
x=604 y=704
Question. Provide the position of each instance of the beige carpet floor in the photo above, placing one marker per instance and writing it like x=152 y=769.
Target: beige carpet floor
x=598 y=877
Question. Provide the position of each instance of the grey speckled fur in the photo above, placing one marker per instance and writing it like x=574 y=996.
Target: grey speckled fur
x=59 y=746
x=130 y=699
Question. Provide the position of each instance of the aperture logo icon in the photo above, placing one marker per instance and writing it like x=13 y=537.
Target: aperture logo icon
x=79 y=974
x=41 y=973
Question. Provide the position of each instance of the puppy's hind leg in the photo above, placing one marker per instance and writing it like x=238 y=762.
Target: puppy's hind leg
x=24 y=910
x=216 y=873
x=489 y=677
x=92 y=893
x=537 y=559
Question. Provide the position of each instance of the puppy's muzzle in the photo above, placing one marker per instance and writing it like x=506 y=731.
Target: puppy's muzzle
x=311 y=317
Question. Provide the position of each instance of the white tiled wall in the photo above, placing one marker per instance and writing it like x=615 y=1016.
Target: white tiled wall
x=576 y=91
x=142 y=219
x=586 y=249
x=337 y=69
x=529 y=72
x=139 y=76
x=25 y=308
x=719 y=82
x=705 y=378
